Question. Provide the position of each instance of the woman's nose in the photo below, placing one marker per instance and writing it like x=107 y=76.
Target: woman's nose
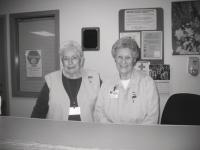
x=70 y=61
x=124 y=60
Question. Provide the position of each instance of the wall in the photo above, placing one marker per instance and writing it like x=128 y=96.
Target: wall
x=75 y=14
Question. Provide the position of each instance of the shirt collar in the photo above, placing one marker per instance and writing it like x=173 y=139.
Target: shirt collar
x=132 y=82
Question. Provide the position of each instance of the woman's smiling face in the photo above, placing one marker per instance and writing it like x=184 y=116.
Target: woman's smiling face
x=71 y=62
x=125 y=60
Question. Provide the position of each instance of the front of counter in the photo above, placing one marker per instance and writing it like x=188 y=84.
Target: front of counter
x=60 y=135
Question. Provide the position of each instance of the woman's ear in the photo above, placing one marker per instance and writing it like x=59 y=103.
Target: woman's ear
x=61 y=60
x=115 y=60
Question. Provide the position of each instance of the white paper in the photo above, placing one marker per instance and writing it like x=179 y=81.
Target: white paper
x=140 y=19
x=163 y=86
x=143 y=66
x=74 y=111
x=33 y=63
x=151 y=45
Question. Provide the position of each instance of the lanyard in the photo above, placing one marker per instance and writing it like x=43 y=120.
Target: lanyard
x=72 y=87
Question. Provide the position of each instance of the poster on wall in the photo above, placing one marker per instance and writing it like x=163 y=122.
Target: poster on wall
x=33 y=63
x=159 y=71
x=140 y=19
x=161 y=74
x=186 y=28
x=143 y=66
x=151 y=45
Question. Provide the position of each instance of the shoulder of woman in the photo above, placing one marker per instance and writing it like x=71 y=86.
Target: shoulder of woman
x=142 y=77
x=110 y=82
x=90 y=73
x=53 y=74
x=51 y=77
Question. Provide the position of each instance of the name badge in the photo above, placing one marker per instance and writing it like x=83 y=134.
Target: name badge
x=114 y=94
x=74 y=111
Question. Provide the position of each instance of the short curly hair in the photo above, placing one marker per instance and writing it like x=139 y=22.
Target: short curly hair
x=125 y=42
x=71 y=45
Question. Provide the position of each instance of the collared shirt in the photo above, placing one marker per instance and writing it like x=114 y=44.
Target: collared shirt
x=138 y=104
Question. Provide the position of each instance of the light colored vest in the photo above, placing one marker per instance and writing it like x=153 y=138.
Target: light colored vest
x=59 y=102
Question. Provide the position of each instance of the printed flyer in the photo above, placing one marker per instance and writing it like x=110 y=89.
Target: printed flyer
x=33 y=63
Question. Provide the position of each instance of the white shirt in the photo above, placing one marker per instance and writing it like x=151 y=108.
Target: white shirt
x=125 y=83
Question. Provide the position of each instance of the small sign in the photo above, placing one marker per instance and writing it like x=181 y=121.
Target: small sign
x=143 y=66
x=33 y=63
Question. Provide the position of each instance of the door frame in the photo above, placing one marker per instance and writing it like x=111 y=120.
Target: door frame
x=15 y=19
x=3 y=41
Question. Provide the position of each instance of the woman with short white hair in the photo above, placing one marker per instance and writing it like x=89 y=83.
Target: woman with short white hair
x=131 y=96
x=69 y=93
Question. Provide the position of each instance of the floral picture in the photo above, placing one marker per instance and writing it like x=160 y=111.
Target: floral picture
x=186 y=28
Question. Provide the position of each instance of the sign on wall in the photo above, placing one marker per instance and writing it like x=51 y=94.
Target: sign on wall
x=145 y=25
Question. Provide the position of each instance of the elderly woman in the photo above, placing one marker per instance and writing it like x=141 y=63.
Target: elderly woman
x=70 y=93
x=131 y=97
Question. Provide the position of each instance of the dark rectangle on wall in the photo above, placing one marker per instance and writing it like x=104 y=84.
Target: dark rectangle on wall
x=90 y=38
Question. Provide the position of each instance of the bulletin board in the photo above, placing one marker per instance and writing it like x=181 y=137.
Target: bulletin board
x=145 y=25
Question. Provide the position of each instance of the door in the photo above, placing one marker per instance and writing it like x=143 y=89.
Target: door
x=3 y=67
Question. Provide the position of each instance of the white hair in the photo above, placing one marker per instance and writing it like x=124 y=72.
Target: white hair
x=71 y=45
x=125 y=42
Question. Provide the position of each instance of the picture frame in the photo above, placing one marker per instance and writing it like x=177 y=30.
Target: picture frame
x=185 y=28
x=152 y=44
x=34 y=47
x=90 y=38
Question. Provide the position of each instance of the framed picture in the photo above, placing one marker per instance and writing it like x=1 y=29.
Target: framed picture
x=186 y=28
x=90 y=38
x=34 y=50
x=159 y=71
x=152 y=45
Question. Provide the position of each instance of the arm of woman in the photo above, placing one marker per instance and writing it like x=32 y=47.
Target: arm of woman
x=152 y=102
x=41 y=107
x=99 y=113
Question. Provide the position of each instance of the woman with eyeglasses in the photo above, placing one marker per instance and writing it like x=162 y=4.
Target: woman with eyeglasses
x=131 y=96
x=69 y=93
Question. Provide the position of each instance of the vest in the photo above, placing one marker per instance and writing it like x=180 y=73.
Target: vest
x=59 y=102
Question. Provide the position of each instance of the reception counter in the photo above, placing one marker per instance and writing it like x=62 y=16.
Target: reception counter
x=80 y=135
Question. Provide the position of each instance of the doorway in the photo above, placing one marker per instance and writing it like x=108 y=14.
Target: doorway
x=3 y=68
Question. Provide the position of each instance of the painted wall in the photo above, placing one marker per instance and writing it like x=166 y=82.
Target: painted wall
x=75 y=14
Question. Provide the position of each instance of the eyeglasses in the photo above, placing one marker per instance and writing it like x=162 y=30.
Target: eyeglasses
x=71 y=59
x=127 y=59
